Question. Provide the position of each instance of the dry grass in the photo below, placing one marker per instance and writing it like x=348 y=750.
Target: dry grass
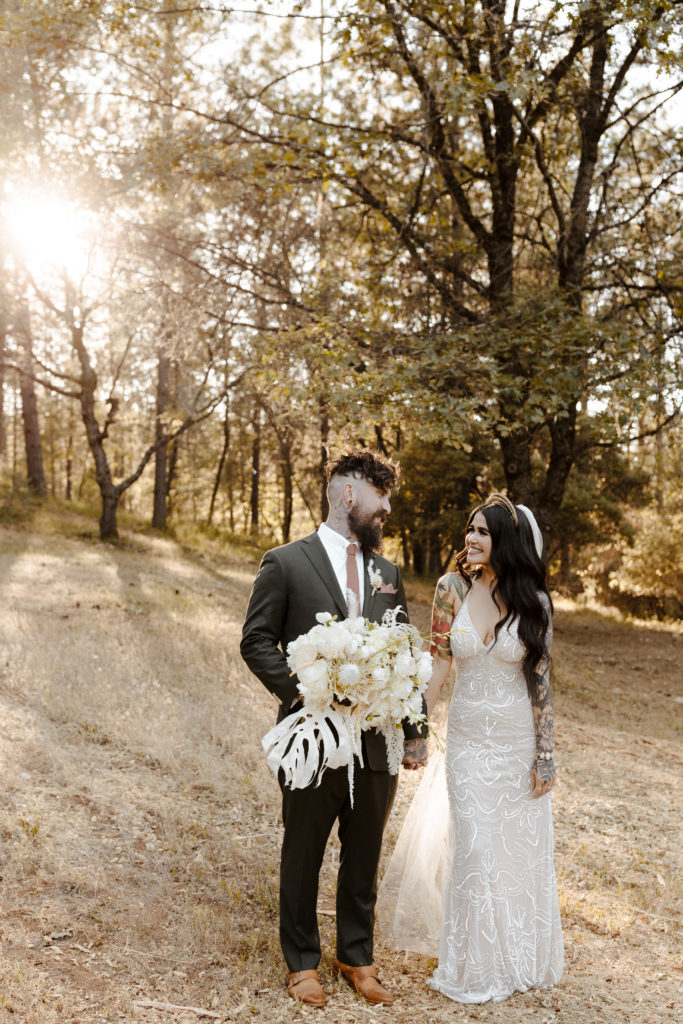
x=140 y=827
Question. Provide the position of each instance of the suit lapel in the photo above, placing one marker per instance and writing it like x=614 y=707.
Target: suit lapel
x=315 y=552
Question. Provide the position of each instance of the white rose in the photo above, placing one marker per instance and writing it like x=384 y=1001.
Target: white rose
x=300 y=654
x=402 y=688
x=424 y=667
x=375 y=642
x=354 y=645
x=334 y=642
x=405 y=663
x=414 y=707
x=311 y=676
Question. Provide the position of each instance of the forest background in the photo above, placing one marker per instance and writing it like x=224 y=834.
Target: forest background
x=233 y=240
x=236 y=239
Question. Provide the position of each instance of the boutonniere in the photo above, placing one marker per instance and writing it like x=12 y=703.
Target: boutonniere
x=377 y=583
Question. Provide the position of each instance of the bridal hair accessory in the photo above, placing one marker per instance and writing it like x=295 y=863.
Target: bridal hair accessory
x=503 y=502
x=535 y=529
x=545 y=755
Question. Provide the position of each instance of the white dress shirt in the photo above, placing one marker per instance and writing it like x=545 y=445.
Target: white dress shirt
x=335 y=548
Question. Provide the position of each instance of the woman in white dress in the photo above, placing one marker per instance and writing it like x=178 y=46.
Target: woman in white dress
x=500 y=926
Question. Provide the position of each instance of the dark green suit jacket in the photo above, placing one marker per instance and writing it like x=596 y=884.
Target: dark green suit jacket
x=294 y=583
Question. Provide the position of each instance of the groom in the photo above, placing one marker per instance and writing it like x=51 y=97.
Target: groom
x=328 y=572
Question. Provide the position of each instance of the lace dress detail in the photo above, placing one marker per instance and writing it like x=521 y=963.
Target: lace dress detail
x=501 y=930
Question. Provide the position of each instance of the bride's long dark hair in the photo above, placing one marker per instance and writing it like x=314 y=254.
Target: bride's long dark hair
x=520 y=580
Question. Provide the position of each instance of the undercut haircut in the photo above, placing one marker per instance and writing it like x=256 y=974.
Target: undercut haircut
x=373 y=466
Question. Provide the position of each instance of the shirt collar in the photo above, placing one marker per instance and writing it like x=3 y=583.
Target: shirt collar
x=337 y=539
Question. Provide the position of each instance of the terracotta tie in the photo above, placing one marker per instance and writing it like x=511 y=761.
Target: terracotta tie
x=352 y=581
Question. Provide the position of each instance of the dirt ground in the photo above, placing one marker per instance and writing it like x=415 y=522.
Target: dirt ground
x=139 y=825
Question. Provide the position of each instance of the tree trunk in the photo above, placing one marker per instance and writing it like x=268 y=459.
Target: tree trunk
x=173 y=457
x=109 y=493
x=231 y=497
x=160 y=509
x=15 y=438
x=108 y=527
x=419 y=556
x=517 y=466
x=255 y=472
x=35 y=470
x=565 y=573
x=592 y=121
x=571 y=263
x=287 y=489
x=221 y=462
x=69 y=467
x=405 y=547
x=324 y=455
x=563 y=438
x=53 y=464
x=434 y=558
x=3 y=429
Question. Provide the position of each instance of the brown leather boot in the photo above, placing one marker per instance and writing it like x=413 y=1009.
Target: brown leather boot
x=365 y=981
x=305 y=987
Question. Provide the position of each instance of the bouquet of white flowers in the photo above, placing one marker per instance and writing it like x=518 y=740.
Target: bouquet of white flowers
x=353 y=675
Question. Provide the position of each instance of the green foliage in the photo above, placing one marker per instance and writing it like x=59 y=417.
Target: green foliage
x=30 y=829
x=440 y=484
x=430 y=235
x=650 y=560
x=601 y=489
x=515 y=268
x=653 y=562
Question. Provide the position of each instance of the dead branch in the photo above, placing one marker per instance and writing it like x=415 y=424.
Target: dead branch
x=200 y=1011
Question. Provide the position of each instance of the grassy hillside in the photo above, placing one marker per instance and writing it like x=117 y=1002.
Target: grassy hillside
x=140 y=826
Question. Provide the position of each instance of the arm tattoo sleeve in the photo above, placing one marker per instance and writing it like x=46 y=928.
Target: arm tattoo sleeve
x=442 y=618
x=542 y=705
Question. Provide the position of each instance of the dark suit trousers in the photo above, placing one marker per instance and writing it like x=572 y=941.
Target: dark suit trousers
x=309 y=815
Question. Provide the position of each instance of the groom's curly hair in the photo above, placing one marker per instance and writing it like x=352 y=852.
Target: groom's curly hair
x=375 y=467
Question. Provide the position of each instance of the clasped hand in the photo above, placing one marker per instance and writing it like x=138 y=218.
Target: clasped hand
x=414 y=753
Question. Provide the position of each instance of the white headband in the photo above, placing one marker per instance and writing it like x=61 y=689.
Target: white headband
x=535 y=529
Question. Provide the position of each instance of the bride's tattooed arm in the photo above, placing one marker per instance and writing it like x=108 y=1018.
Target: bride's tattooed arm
x=443 y=613
x=415 y=751
x=446 y=603
x=542 y=704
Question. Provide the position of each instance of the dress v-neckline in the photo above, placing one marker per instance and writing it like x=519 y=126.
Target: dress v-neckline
x=466 y=604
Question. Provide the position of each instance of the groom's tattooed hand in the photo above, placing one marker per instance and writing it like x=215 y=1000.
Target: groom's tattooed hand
x=414 y=753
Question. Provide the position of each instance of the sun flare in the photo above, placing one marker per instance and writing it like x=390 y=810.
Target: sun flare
x=45 y=232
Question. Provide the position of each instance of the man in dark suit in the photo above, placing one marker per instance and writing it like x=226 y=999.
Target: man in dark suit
x=328 y=572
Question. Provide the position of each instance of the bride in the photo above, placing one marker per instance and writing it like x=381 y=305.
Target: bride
x=486 y=882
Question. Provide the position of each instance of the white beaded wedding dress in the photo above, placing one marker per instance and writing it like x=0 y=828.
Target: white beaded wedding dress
x=499 y=927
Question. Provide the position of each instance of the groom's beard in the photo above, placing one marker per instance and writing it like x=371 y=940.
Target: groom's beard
x=367 y=527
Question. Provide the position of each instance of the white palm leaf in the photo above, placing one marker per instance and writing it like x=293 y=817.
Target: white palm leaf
x=303 y=745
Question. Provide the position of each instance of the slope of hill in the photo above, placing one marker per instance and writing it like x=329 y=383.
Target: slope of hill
x=139 y=825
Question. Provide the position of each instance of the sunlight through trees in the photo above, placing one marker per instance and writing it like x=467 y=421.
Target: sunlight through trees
x=234 y=240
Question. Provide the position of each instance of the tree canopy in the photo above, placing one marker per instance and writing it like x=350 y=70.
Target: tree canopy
x=445 y=228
